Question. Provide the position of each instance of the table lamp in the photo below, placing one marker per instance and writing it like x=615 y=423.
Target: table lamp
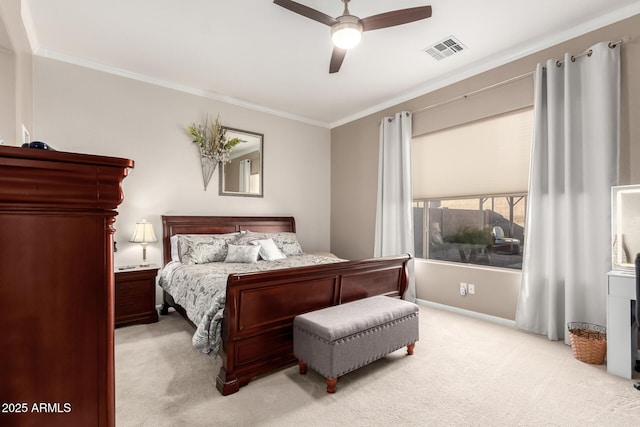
x=144 y=235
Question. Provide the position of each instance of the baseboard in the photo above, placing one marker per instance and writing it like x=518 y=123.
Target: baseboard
x=469 y=313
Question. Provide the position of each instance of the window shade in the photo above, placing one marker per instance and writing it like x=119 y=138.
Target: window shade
x=489 y=156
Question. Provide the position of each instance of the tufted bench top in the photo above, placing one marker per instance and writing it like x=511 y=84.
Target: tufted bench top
x=340 y=321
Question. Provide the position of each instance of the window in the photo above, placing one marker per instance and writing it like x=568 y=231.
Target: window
x=484 y=230
x=490 y=158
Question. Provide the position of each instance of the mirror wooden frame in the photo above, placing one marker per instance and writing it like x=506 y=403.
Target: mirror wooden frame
x=230 y=177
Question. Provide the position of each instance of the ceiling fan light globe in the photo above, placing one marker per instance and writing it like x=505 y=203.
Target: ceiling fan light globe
x=346 y=35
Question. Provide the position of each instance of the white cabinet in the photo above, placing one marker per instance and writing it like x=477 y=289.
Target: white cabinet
x=622 y=335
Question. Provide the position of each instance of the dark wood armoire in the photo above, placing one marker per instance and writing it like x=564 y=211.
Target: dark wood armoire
x=57 y=287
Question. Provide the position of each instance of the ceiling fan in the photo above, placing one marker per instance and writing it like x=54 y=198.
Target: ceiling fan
x=347 y=29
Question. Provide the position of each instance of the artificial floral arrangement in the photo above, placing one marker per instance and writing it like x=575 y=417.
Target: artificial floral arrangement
x=212 y=140
x=213 y=144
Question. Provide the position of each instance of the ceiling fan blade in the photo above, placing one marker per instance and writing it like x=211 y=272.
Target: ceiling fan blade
x=397 y=17
x=306 y=11
x=337 y=56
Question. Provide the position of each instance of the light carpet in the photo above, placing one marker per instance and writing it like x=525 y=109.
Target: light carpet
x=464 y=372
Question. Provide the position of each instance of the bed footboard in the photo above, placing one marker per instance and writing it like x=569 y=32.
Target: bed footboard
x=258 y=317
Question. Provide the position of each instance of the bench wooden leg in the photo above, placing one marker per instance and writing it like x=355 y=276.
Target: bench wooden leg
x=303 y=367
x=331 y=385
x=410 y=349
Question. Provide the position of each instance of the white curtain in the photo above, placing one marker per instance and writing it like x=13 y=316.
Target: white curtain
x=574 y=163
x=394 y=216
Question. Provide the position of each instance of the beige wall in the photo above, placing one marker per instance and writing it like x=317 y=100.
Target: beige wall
x=83 y=110
x=355 y=153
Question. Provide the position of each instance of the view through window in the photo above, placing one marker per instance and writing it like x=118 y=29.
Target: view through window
x=483 y=230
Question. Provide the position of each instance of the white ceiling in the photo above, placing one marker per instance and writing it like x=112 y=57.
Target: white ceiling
x=257 y=54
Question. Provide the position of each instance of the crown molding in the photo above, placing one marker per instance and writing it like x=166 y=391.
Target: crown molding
x=50 y=54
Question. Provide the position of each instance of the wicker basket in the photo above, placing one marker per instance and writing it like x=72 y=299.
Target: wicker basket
x=588 y=342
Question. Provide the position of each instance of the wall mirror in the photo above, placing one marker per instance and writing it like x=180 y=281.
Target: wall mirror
x=242 y=176
x=625 y=221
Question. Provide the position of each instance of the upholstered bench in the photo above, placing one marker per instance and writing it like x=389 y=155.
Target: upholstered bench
x=339 y=339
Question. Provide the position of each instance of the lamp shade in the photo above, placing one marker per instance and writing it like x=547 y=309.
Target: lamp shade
x=143 y=233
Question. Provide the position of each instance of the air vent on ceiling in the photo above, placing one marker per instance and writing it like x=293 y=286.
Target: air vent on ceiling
x=445 y=48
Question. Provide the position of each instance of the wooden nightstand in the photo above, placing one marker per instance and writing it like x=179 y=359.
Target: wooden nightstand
x=136 y=295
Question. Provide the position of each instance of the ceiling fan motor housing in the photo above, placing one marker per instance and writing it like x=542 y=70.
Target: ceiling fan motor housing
x=347 y=32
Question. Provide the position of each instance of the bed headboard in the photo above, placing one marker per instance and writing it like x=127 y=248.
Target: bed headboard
x=172 y=225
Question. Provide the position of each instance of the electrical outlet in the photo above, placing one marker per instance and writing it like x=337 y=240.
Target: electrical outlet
x=472 y=288
x=463 y=288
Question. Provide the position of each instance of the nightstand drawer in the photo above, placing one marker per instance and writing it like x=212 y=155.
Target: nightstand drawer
x=127 y=306
x=133 y=288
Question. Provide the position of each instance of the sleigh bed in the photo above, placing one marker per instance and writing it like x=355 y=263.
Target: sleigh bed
x=257 y=317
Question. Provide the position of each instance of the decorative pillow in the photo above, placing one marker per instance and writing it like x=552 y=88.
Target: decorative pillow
x=175 y=251
x=287 y=242
x=245 y=253
x=204 y=248
x=268 y=250
x=248 y=237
